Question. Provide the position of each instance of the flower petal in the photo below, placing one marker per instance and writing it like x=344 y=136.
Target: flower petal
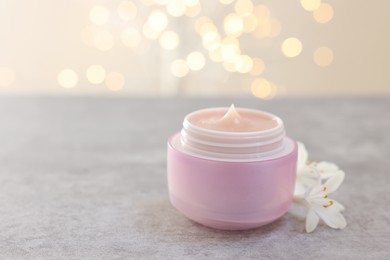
x=318 y=200
x=327 y=166
x=316 y=190
x=331 y=216
x=300 y=189
x=338 y=205
x=302 y=155
x=327 y=169
x=334 y=182
x=311 y=221
x=309 y=179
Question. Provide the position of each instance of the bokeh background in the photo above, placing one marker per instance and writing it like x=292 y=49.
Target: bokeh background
x=163 y=48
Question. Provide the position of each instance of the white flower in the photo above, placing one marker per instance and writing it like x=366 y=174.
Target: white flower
x=306 y=176
x=321 y=206
x=327 y=169
x=315 y=180
x=306 y=171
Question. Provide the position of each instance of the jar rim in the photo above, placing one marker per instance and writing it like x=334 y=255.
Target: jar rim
x=278 y=120
x=232 y=144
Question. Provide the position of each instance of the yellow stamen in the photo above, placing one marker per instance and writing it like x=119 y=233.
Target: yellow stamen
x=329 y=204
x=324 y=188
x=326 y=196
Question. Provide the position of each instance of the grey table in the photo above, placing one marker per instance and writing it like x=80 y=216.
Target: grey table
x=85 y=178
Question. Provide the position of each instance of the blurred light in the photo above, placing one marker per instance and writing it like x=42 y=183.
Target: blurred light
x=103 y=40
x=243 y=63
x=323 y=56
x=127 y=10
x=201 y=21
x=158 y=21
x=291 y=47
x=195 y=60
x=250 y=23
x=192 y=11
x=176 y=8
x=169 y=40
x=262 y=13
x=115 y=81
x=275 y=28
x=226 y=2
x=191 y=2
x=130 y=37
x=260 y=32
x=149 y=33
x=228 y=66
x=261 y=88
x=7 y=77
x=230 y=49
x=233 y=25
x=96 y=74
x=324 y=13
x=207 y=27
x=310 y=5
x=99 y=15
x=68 y=78
x=270 y=29
x=147 y=2
x=211 y=39
x=243 y=7
x=179 y=68
x=230 y=40
x=229 y=52
x=258 y=67
x=161 y=2
x=215 y=54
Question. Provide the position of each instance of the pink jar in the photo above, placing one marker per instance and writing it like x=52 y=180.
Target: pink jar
x=231 y=180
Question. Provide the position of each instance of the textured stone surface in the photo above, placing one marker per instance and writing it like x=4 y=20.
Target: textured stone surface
x=86 y=179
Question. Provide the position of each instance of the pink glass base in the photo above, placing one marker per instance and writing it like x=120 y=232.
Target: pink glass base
x=231 y=195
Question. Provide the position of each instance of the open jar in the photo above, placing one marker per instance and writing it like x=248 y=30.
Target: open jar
x=231 y=168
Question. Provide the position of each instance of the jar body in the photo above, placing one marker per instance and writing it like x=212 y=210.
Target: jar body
x=231 y=195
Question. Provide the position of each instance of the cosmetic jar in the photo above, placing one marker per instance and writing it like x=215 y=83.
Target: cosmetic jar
x=231 y=168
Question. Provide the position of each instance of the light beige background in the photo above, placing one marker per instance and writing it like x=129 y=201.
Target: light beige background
x=40 y=38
